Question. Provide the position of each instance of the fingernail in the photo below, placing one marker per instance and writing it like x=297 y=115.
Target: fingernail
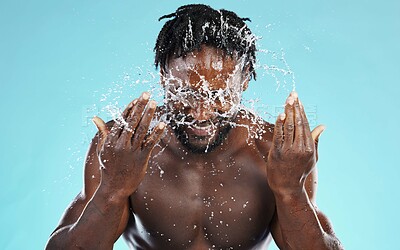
x=282 y=116
x=152 y=104
x=294 y=94
x=145 y=96
x=161 y=125
x=134 y=101
x=290 y=100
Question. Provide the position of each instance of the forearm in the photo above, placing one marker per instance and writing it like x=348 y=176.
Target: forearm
x=299 y=223
x=96 y=228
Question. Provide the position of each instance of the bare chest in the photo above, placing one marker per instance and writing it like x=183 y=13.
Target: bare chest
x=217 y=203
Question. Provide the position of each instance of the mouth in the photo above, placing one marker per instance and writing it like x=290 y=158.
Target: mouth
x=202 y=129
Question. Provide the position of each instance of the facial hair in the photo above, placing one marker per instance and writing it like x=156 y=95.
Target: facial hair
x=183 y=137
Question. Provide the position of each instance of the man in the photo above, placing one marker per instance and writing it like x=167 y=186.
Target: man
x=210 y=175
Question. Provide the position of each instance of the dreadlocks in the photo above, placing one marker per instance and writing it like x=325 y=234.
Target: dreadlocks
x=196 y=24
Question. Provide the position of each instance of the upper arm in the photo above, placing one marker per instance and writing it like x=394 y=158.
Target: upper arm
x=92 y=177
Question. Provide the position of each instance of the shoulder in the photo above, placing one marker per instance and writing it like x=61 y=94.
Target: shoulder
x=260 y=132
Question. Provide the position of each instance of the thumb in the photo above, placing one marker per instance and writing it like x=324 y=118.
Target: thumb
x=315 y=133
x=103 y=131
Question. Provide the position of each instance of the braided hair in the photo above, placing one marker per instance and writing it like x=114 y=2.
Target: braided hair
x=196 y=24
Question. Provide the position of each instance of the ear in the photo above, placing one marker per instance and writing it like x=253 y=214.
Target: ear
x=246 y=83
x=246 y=76
x=162 y=77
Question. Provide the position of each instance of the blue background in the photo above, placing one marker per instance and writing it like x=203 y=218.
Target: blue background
x=62 y=61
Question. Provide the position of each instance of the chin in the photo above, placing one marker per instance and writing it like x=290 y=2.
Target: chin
x=200 y=142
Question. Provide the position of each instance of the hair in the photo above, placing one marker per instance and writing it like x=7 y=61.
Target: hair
x=197 y=24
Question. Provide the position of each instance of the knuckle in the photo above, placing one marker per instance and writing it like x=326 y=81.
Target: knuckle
x=308 y=151
x=118 y=148
x=276 y=145
x=107 y=145
x=133 y=119
x=275 y=157
x=128 y=128
x=113 y=131
x=140 y=105
x=290 y=127
x=278 y=131
x=150 y=143
x=141 y=129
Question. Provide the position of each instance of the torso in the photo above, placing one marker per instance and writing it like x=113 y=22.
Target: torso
x=217 y=200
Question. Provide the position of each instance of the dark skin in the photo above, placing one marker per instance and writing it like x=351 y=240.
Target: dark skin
x=172 y=197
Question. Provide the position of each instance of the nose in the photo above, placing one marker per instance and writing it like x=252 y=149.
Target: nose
x=202 y=111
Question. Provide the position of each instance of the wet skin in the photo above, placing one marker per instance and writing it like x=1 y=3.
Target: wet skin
x=170 y=190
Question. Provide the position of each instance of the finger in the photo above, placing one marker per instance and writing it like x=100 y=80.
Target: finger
x=123 y=138
x=101 y=126
x=308 y=140
x=278 y=131
x=133 y=119
x=315 y=135
x=129 y=109
x=317 y=131
x=103 y=131
x=288 y=126
x=121 y=122
x=298 y=127
x=114 y=133
x=154 y=138
x=143 y=126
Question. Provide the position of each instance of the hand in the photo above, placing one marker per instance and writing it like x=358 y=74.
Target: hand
x=294 y=150
x=123 y=151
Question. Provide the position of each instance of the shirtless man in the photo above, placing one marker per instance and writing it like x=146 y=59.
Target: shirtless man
x=212 y=175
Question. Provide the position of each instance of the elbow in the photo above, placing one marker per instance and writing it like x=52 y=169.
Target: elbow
x=60 y=239
x=329 y=242
x=53 y=244
x=54 y=241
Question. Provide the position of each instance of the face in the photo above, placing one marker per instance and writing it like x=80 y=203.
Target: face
x=203 y=92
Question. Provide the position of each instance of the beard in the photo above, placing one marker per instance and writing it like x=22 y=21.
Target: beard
x=200 y=144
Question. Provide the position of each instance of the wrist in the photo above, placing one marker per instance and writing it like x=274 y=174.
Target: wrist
x=111 y=195
x=290 y=195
